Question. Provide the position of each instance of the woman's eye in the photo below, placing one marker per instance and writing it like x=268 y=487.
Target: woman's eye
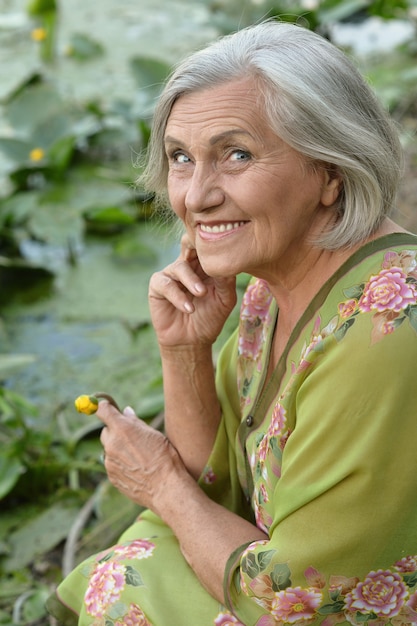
x=240 y=155
x=180 y=157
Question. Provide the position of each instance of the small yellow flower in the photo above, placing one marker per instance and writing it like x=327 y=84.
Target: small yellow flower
x=38 y=34
x=36 y=154
x=86 y=404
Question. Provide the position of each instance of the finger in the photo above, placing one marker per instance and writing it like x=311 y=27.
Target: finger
x=178 y=284
x=188 y=250
x=128 y=411
x=108 y=413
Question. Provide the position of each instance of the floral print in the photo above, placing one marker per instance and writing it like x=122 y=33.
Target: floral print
x=135 y=617
x=384 y=597
x=254 y=317
x=388 y=291
x=390 y=295
x=227 y=619
x=105 y=587
x=136 y=549
x=381 y=593
x=108 y=580
x=295 y=605
x=208 y=475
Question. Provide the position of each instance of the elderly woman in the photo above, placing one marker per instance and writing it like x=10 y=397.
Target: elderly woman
x=285 y=489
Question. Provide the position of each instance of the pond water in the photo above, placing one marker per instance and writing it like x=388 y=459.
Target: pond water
x=91 y=330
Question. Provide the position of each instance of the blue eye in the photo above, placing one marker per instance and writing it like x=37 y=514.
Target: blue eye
x=180 y=157
x=240 y=155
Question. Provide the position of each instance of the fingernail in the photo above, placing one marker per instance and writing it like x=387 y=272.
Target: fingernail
x=189 y=307
x=129 y=411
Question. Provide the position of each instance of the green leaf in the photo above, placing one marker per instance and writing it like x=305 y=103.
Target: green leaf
x=110 y=215
x=342 y=10
x=149 y=72
x=334 y=607
x=334 y=594
x=11 y=468
x=50 y=130
x=60 y=152
x=32 y=106
x=411 y=311
x=342 y=330
x=264 y=558
x=410 y=579
x=12 y=362
x=40 y=534
x=133 y=577
x=82 y=47
x=117 y=610
x=365 y=617
x=56 y=223
x=250 y=565
x=34 y=606
x=17 y=150
x=281 y=577
x=38 y=7
x=354 y=292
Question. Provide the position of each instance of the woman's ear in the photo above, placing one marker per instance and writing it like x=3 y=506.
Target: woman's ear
x=332 y=185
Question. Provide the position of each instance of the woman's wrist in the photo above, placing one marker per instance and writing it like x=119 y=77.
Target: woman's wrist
x=186 y=353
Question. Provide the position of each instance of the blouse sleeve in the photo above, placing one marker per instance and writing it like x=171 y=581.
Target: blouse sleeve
x=342 y=545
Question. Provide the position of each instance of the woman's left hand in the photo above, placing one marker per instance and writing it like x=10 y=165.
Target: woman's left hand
x=138 y=459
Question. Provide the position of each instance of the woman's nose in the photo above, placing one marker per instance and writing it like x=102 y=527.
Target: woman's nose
x=204 y=191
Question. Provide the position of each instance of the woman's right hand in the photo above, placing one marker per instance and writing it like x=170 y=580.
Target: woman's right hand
x=187 y=306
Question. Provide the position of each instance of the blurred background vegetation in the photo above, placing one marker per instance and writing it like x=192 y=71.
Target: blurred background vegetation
x=78 y=241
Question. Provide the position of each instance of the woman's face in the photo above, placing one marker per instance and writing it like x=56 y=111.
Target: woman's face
x=249 y=202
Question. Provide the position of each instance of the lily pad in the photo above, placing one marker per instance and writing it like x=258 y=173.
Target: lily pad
x=40 y=534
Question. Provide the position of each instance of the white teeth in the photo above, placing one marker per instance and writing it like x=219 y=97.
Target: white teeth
x=221 y=228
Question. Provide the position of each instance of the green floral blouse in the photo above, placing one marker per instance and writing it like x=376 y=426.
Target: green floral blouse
x=327 y=452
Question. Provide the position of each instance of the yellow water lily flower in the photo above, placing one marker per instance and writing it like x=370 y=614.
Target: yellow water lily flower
x=38 y=34
x=86 y=404
x=36 y=154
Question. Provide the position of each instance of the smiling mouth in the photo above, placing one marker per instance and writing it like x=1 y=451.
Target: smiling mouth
x=221 y=228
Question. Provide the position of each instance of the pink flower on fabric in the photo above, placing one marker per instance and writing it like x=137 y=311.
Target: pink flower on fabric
x=135 y=617
x=105 y=587
x=263 y=493
x=262 y=519
x=263 y=449
x=256 y=301
x=388 y=291
x=226 y=619
x=209 y=477
x=412 y=602
x=347 y=308
x=251 y=342
x=407 y=564
x=315 y=578
x=278 y=420
x=382 y=592
x=406 y=260
x=295 y=605
x=136 y=549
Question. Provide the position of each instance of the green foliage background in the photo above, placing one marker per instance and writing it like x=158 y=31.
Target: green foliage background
x=77 y=238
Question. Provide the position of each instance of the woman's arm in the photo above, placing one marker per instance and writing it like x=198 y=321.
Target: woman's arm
x=192 y=410
x=188 y=310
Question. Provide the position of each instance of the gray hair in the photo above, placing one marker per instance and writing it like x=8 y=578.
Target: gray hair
x=316 y=101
